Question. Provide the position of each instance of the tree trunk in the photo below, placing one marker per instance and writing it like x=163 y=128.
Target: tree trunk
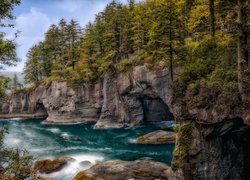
x=242 y=53
x=171 y=52
x=212 y=18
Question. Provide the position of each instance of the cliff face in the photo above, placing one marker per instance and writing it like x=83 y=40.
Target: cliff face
x=124 y=100
x=56 y=101
x=135 y=97
x=217 y=146
x=212 y=145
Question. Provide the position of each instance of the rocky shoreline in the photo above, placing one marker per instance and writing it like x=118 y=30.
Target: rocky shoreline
x=210 y=144
x=141 y=169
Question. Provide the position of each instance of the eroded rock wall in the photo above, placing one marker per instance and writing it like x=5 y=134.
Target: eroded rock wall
x=217 y=146
x=125 y=99
x=135 y=97
x=58 y=102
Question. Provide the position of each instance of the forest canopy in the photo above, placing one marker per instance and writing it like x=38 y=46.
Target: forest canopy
x=206 y=38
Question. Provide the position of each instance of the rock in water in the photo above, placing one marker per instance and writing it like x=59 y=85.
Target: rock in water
x=142 y=169
x=157 y=137
x=86 y=163
x=48 y=166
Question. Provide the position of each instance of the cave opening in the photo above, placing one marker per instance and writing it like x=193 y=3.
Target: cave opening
x=40 y=109
x=155 y=110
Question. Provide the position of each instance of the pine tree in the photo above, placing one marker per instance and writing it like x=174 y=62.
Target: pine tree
x=15 y=82
x=165 y=38
x=242 y=49
x=74 y=37
x=33 y=66
x=212 y=18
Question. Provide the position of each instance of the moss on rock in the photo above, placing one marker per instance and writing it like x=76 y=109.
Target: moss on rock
x=184 y=140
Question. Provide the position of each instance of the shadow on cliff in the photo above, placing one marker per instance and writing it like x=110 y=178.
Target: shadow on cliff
x=155 y=109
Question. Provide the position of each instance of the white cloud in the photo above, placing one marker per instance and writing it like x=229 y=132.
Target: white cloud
x=32 y=25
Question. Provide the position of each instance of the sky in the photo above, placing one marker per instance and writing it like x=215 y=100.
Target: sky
x=33 y=18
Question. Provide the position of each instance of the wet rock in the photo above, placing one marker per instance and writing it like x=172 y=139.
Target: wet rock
x=142 y=169
x=48 y=166
x=157 y=137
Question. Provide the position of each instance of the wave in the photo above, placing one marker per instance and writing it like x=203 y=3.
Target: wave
x=54 y=130
x=82 y=148
x=75 y=166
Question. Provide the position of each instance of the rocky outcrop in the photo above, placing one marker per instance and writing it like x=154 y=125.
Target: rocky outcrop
x=48 y=166
x=135 y=97
x=126 y=99
x=216 y=144
x=142 y=169
x=58 y=102
x=157 y=137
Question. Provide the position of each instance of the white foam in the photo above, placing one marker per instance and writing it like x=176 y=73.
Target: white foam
x=75 y=166
x=17 y=119
x=54 y=130
x=132 y=140
x=65 y=135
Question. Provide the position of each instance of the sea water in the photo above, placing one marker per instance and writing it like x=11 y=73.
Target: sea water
x=84 y=143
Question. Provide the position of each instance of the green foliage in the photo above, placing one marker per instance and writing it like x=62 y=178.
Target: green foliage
x=209 y=78
x=184 y=139
x=59 y=50
x=121 y=37
x=14 y=163
x=7 y=47
x=154 y=33
x=4 y=86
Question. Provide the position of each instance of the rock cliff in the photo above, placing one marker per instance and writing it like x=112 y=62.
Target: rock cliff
x=126 y=99
x=212 y=144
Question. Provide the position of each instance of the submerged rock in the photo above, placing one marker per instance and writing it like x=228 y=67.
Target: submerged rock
x=48 y=166
x=142 y=169
x=86 y=163
x=157 y=137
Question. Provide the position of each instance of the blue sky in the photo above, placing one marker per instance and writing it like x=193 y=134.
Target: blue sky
x=33 y=18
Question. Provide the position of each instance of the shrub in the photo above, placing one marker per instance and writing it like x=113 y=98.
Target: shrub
x=14 y=163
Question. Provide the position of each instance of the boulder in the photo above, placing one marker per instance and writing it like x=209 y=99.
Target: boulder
x=157 y=137
x=142 y=169
x=48 y=166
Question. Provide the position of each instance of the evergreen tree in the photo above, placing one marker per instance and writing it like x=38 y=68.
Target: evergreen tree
x=212 y=18
x=7 y=47
x=15 y=82
x=165 y=39
x=32 y=69
x=4 y=86
x=74 y=38
x=242 y=48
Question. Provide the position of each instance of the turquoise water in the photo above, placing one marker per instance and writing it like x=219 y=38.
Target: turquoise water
x=82 y=142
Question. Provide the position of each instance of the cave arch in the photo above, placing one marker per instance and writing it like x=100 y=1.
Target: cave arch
x=155 y=110
x=40 y=109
